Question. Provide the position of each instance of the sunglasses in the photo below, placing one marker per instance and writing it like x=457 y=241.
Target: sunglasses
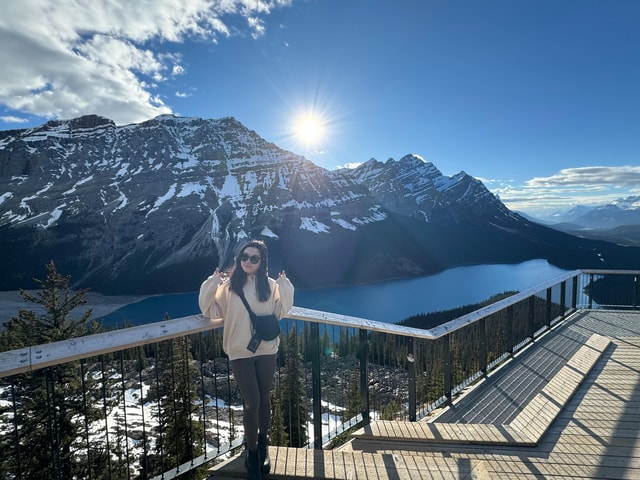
x=253 y=258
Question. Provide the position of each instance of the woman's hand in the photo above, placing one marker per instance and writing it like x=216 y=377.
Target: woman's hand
x=282 y=274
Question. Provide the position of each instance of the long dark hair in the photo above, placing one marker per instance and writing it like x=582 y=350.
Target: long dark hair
x=239 y=277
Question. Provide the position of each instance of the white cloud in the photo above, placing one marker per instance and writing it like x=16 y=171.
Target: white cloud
x=73 y=57
x=626 y=175
x=257 y=26
x=350 y=166
x=178 y=70
x=567 y=188
x=12 y=119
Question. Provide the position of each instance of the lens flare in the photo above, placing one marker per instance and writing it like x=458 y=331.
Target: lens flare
x=309 y=130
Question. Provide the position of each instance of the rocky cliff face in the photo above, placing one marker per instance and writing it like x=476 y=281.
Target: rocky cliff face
x=155 y=207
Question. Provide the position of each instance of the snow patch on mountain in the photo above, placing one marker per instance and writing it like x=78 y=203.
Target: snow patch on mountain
x=231 y=187
x=313 y=225
x=55 y=215
x=122 y=202
x=192 y=188
x=375 y=215
x=344 y=224
x=627 y=203
x=266 y=232
x=158 y=203
x=77 y=184
x=124 y=168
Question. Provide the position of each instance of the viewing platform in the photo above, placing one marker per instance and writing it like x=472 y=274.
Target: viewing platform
x=549 y=413
x=542 y=383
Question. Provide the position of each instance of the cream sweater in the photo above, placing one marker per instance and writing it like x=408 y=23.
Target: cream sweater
x=218 y=301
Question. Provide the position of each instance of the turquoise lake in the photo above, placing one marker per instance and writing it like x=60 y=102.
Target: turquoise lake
x=389 y=301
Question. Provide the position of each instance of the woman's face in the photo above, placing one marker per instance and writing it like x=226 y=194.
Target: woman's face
x=247 y=258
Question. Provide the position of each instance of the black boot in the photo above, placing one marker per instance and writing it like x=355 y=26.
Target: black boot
x=252 y=463
x=263 y=454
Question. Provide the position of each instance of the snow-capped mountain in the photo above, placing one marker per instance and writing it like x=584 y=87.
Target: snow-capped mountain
x=156 y=206
x=570 y=215
x=628 y=203
x=617 y=221
x=623 y=211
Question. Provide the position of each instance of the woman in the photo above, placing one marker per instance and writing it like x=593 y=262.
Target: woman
x=253 y=370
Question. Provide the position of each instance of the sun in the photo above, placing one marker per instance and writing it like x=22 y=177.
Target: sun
x=309 y=129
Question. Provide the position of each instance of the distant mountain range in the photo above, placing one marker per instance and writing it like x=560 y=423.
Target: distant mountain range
x=155 y=207
x=617 y=221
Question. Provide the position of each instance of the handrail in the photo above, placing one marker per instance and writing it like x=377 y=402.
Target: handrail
x=463 y=321
x=32 y=358
x=597 y=271
x=318 y=316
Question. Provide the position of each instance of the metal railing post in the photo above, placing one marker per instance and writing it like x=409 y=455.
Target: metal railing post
x=363 y=355
x=548 y=309
x=446 y=353
x=563 y=298
x=411 y=374
x=316 y=391
x=510 y=330
x=590 y=291
x=482 y=324
x=531 y=316
x=574 y=293
x=16 y=431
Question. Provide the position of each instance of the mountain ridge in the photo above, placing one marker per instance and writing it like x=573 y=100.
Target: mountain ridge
x=617 y=221
x=155 y=207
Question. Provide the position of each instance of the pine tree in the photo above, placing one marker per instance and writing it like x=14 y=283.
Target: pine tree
x=353 y=405
x=326 y=343
x=51 y=405
x=394 y=408
x=182 y=435
x=294 y=406
x=233 y=426
x=344 y=343
x=278 y=434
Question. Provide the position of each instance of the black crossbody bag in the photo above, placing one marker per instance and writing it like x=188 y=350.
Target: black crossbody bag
x=266 y=327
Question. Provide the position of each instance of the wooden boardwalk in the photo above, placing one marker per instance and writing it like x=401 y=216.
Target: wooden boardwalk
x=584 y=424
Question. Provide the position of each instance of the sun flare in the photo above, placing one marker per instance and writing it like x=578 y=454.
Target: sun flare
x=309 y=130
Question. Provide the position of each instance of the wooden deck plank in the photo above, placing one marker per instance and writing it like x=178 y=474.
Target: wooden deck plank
x=525 y=430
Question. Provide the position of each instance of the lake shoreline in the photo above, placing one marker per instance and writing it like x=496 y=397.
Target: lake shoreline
x=11 y=303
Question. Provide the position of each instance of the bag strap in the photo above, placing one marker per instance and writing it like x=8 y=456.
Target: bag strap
x=252 y=315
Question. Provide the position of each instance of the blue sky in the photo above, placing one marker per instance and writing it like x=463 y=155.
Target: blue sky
x=538 y=99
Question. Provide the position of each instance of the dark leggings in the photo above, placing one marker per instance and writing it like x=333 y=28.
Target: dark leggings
x=255 y=380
